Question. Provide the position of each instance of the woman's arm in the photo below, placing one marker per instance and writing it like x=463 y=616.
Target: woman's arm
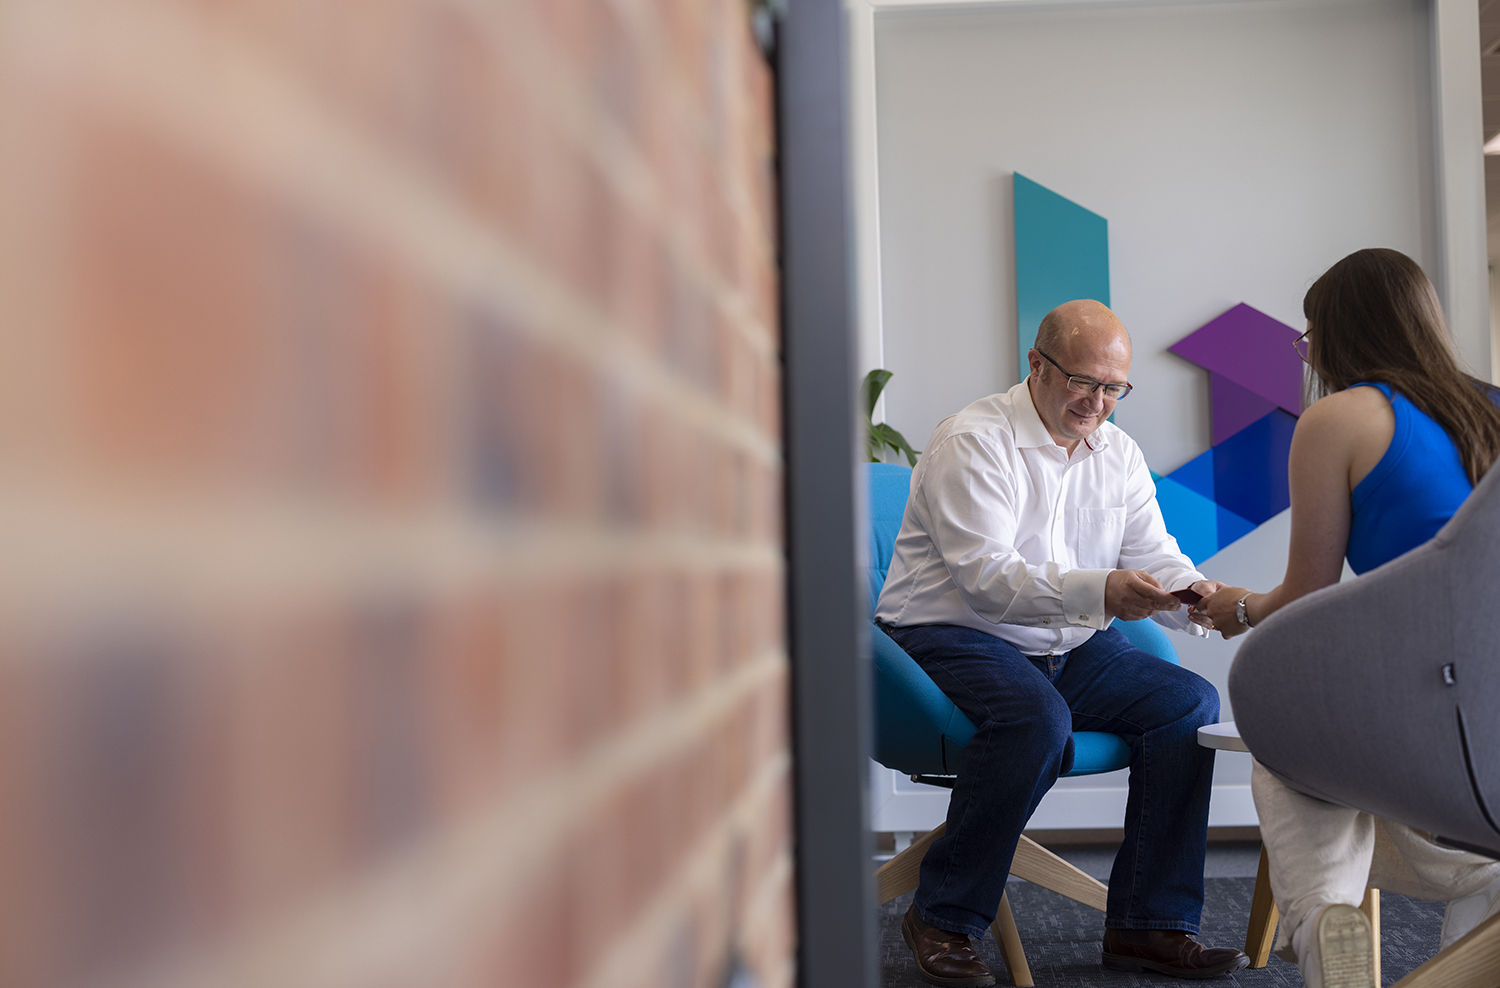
x=1338 y=440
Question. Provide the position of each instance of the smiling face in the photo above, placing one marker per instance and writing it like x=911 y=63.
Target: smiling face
x=1089 y=342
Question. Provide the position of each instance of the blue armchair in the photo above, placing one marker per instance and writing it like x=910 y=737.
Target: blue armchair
x=920 y=732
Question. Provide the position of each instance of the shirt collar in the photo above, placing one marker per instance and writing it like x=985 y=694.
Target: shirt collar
x=1030 y=430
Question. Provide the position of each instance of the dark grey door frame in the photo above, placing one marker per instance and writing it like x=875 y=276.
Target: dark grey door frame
x=828 y=626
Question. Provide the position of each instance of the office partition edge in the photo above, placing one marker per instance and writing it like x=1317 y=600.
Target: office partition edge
x=826 y=619
x=1458 y=142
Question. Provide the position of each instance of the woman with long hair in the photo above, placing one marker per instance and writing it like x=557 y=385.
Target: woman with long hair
x=1394 y=439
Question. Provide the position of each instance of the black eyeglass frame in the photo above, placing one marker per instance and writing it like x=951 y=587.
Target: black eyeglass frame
x=1089 y=385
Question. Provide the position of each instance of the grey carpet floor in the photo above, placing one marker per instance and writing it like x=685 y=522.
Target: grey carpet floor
x=1061 y=938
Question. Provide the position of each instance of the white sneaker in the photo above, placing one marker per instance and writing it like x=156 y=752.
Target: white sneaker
x=1343 y=951
x=1462 y=915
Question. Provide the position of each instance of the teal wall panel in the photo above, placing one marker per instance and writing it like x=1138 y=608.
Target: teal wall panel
x=1062 y=253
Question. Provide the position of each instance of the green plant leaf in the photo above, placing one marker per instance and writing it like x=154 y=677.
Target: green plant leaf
x=875 y=382
x=884 y=435
x=878 y=437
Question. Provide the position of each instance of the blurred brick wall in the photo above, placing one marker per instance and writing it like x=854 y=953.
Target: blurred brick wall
x=390 y=542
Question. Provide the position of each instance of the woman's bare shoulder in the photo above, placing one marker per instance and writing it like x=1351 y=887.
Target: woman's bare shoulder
x=1352 y=408
x=1353 y=427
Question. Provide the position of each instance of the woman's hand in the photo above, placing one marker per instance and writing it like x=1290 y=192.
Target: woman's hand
x=1220 y=608
x=1204 y=588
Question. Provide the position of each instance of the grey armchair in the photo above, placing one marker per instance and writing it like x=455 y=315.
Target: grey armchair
x=1383 y=693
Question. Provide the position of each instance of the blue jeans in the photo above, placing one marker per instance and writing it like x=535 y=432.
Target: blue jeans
x=1025 y=710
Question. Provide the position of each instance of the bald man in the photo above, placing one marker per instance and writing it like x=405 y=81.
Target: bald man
x=1032 y=523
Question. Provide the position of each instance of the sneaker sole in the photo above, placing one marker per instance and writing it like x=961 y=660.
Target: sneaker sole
x=1346 y=948
x=941 y=982
x=1114 y=962
x=1491 y=907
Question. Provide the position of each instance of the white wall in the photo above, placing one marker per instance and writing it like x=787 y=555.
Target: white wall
x=1236 y=149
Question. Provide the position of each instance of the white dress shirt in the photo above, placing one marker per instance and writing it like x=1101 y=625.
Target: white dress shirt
x=1005 y=532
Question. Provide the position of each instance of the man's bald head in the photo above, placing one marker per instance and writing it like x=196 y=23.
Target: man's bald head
x=1078 y=342
x=1080 y=328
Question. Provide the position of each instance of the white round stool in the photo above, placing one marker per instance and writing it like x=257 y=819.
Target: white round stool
x=1263 y=912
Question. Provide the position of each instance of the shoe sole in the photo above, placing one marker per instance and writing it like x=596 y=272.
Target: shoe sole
x=985 y=982
x=1491 y=907
x=1346 y=948
x=1135 y=965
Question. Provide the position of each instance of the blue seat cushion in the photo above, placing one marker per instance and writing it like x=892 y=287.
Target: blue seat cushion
x=919 y=731
x=889 y=485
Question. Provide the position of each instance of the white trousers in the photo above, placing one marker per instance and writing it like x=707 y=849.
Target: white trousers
x=1321 y=853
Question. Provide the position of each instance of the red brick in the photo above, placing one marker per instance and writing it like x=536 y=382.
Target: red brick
x=538 y=735
x=635 y=299
x=536 y=939
x=172 y=342
x=532 y=419
x=616 y=68
x=644 y=641
x=365 y=417
x=446 y=109
x=35 y=928
x=467 y=698
x=293 y=775
x=590 y=646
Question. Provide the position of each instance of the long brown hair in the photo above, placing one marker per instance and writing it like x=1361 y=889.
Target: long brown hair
x=1374 y=316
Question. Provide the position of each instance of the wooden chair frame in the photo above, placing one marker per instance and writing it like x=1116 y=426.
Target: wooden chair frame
x=1032 y=862
x=1264 y=916
x=1471 y=962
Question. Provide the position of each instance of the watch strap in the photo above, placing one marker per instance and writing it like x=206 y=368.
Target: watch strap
x=1241 y=614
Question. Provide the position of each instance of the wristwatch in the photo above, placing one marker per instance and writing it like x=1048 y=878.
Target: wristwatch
x=1240 y=614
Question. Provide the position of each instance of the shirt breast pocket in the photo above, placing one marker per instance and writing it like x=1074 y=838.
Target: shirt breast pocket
x=1099 y=533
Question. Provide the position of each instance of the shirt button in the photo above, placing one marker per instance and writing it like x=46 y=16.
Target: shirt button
x=1083 y=617
x=1046 y=620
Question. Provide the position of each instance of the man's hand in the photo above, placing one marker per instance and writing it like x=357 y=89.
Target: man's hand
x=1132 y=594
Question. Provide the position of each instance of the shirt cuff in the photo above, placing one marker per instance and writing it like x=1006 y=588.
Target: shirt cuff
x=1083 y=598
x=1179 y=621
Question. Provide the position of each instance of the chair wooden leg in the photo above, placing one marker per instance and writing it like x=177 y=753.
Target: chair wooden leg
x=1472 y=962
x=1039 y=866
x=1009 y=942
x=1371 y=908
x=1263 y=916
x=1032 y=863
x=899 y=875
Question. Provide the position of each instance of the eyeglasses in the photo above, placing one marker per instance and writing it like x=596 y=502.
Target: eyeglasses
x=1087 y=385
x=1301 y=344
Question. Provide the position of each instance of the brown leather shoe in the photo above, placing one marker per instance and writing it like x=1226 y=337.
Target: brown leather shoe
x=1169 y=952
x=943 y=957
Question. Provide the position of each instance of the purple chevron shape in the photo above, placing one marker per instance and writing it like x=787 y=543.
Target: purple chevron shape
x=1252 y=350
x=1234 y=407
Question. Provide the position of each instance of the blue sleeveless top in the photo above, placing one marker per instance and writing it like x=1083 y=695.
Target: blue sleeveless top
x=1412 y=492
